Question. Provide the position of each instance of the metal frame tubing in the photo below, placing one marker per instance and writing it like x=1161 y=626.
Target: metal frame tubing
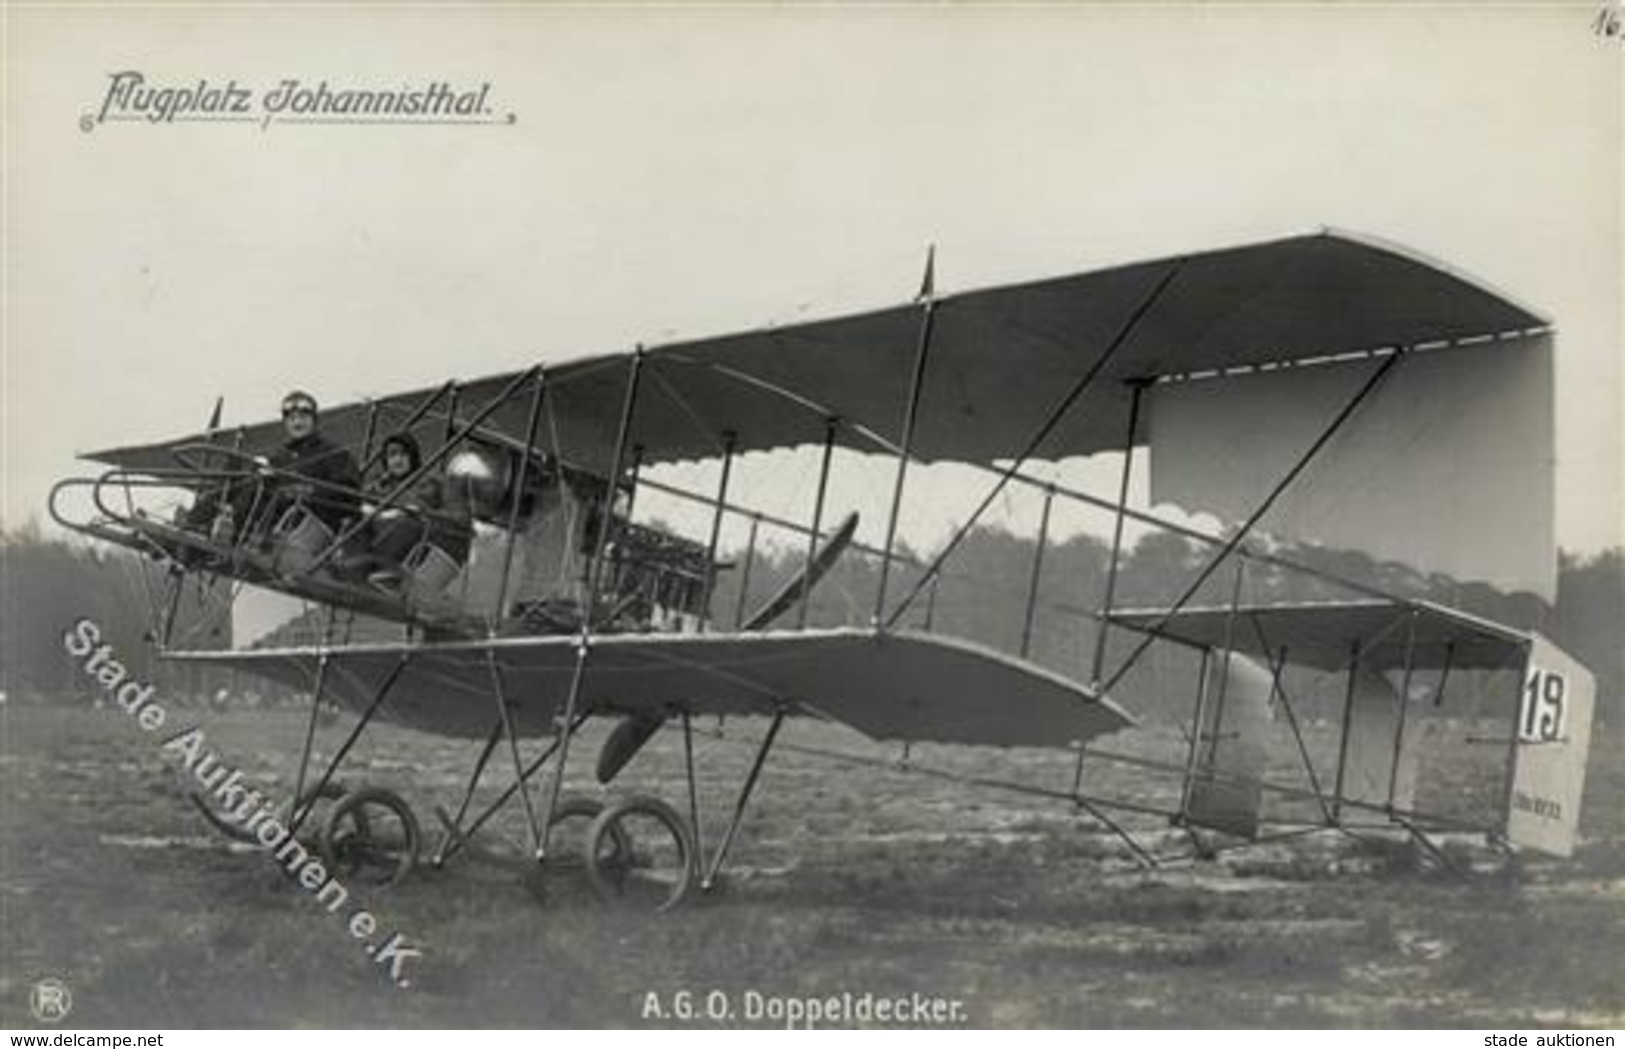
x=371 y=432
x=817 y=518
x=729 y=441
x=1055 y=416
x=453 y=399
x=502 y=799
x=739 y=805
x=1224 y=672
x=455 y=830
x=500 y=693
x=1404 y=706
x=635 y=475
x=798 y=528
x=1343 y=732
x=1141 y=853
x=1270 y=787
x=1198 y=714
x=173 y=612
x=916 y=386
x=1257 y=515
x=428 y=464
x=745 y=571
x=571 y=705
x=1072 y=797
x=1444 y=672
x=693 y=787
x=1077 y=769
x=310 y=730
x=153 y=607
x=298 y=818
x=1036 y=573
x=607 y=507
x=567 y=725
x=1136 y=391
x=1429 y=846
x=1277 y=666
x=315 y=709
x=1198 y=536
x=891 y=765
x=1084 y=802
x=534 y=421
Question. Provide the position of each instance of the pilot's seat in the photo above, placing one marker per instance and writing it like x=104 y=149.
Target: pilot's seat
x=427 y=570
x=298 y=539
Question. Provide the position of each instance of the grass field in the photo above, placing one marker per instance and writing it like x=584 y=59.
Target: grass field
x=844 y=880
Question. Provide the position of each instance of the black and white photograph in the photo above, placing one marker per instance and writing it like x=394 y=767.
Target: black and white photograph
x=798 y=516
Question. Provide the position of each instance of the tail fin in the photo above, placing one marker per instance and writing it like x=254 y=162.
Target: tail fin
x=1225 y=793
x=1552 y=739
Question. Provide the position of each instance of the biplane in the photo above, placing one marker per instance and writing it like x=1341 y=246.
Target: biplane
x=1323 y=388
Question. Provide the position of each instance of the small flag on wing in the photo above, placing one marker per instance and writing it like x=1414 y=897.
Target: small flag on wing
x=928 y=284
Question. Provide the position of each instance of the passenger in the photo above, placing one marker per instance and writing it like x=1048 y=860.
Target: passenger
x=430 y=510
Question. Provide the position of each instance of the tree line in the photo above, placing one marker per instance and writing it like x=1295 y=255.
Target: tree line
x=982 y=595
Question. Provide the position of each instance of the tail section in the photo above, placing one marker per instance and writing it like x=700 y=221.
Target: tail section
x=1550 y=743
x=1224 y=791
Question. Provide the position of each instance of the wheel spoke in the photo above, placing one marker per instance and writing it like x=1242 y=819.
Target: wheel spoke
x=371 y=834
x=658 y=871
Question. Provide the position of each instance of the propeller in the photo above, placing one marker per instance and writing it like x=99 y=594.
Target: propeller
x=634 y=730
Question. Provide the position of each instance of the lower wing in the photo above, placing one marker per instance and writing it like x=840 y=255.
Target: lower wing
x=894 y=686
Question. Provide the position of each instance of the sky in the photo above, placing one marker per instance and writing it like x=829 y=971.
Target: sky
x=686 y=170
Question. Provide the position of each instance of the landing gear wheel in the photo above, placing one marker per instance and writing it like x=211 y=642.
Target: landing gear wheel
x=370 y=835
x=316 y=803
x=641 y=852
x=563 y=853
x=616 y=848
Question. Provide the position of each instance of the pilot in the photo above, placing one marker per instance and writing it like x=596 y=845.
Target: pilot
x=431 y=509
x=311 y=470
x=219 y=510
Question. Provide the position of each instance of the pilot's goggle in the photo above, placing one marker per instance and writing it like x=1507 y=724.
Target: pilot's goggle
x=298 y=404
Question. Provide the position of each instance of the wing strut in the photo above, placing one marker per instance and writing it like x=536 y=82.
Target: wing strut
x=500 y=694
x=378 y=698
x=1009 y=472
x=457 y=837
x=1281 y=486
x=453 y=825
x=744 y=798
x=572 y=710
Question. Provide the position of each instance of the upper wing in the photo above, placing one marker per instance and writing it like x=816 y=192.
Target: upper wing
x=1000 y=359
x=887 y=685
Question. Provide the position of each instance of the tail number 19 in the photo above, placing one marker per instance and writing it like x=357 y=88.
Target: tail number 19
x=1540 y=719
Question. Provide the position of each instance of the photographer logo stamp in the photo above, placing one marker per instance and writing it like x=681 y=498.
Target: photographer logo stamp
x=50 y=1000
